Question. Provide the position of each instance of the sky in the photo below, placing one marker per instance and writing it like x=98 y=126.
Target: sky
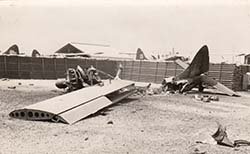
x=155 y=26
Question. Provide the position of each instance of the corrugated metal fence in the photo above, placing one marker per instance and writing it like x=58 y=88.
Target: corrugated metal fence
x=146 y=71
x=47 y=68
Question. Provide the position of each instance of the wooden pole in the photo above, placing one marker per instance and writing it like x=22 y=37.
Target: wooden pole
x=166 y=69
x=139 y=77
x=220 y=72
x=131 y=72
x=5 y=66
x=43 y=71
x=156 y=71
x=18 y=68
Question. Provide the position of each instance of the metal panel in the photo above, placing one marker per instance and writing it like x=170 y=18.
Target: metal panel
x=71 y=107
x=182 y=64
x=85 y=110
x=68 y=101
x=225 y=90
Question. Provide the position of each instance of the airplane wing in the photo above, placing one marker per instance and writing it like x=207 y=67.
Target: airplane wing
x=71 y=107
x=199 y=65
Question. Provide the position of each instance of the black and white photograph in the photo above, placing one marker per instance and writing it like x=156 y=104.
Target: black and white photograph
x=124 y=76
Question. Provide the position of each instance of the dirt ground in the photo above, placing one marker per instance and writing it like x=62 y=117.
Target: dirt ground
x=175 y=124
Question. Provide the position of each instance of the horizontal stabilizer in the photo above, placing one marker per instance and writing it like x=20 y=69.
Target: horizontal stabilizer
x=225 y=90
x=209 y=81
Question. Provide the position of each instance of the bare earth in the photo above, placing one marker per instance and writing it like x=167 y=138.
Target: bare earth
x=152 y=124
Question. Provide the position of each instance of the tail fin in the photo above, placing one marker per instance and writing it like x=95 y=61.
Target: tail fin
x=199 y=65
x=35 y=53
x=140 y=55
x=12 y=50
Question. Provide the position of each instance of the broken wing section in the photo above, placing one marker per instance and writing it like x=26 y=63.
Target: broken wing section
x=72 y=107
x=28 y=114
x=199 y=65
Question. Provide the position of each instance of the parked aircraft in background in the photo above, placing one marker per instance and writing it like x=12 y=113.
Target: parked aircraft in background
x=35 y=53
x=13 y=50
x=140 y=55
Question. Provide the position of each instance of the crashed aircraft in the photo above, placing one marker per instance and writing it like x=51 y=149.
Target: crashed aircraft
x=195 y=75
x=78 y=104
x=79 y=78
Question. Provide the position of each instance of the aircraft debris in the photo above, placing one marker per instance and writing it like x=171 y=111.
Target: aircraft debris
x=12 y=87
x=110 y=122
x=206 y=98
x=74 y=106
x=143 y=91
x=220 y=136
x=197 y=151
x=88 y=95
x=79 y=78
x=195 y=75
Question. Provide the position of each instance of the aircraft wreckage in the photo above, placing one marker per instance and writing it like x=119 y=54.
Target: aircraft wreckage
x=74 y=106
x=89 y=94
x=195 y=75
x=80 y=103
